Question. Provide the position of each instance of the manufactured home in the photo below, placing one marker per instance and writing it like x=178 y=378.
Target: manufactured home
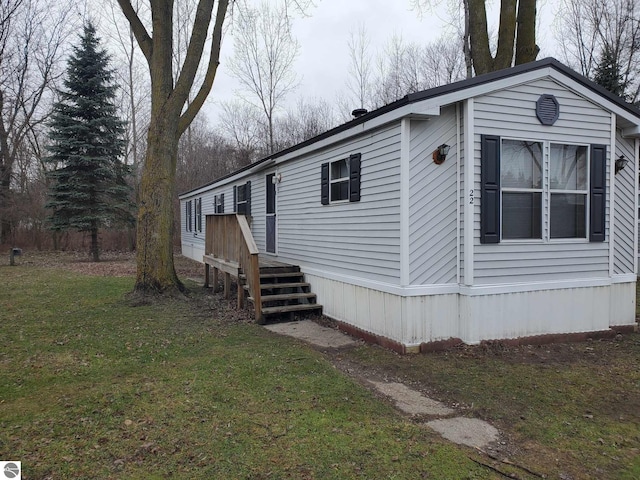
x=500 y=207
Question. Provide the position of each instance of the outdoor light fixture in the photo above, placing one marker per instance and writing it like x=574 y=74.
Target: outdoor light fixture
x=621 y=162
x=440 y=154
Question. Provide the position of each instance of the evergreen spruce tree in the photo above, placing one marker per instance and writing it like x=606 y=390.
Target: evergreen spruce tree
x=608 y=73
x=89 y=191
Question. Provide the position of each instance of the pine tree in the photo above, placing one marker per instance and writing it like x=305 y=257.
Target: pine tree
x=89 y=191
x=608 y=73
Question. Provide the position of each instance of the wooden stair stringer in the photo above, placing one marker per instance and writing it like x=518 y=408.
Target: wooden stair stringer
x=283 y=292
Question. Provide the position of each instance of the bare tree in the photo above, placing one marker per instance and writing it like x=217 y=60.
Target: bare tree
x=439 y=63
x=136 y=88
x=240 y=122
x=408 y=68
x=306 y=120
x=591 y=29
x=171 y=114
x=359 y=80
x=264 y=55
x=389 y=84
x=516 y=33
x=203 y=157
x=31 y=39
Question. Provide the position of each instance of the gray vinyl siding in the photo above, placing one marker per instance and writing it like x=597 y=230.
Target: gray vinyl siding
x=463 y=189
x=624 y=225
x=510 y=113
x=432 y=202
x=359 y=239
x=193 y=239
x=258 y=208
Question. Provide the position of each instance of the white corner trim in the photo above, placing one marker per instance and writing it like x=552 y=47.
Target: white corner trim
x=612 y=196
x=458 y=193
x=405 y=183
x=468 y=224
x=636 y=170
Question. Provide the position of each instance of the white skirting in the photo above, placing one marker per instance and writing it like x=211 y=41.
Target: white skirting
x=193 y=251
x=413 y=320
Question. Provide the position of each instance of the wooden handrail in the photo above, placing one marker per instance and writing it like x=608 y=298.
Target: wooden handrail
x=228 y=237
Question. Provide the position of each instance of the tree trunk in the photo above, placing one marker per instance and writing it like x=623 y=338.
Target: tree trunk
x=479 y=38
x=5 y=195
x=5 y=222
x=526 y=48
x=95 y=247
x=154 y=253
x=514 y=15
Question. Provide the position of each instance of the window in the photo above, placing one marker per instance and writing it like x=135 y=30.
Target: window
x=568 y=178
x=218 y=203
x=534 y=190
x=340 y=180
x=188 y=216
x=242 y=199
x=521 y=179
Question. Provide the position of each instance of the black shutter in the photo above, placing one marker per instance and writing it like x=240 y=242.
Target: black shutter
x=490 y=190
x=199 y=213
x=221 y=203
x=354 y=177
x=598 y=191
x=235 y=198
x=189 y=216
x=324 y=184
x=247 y=194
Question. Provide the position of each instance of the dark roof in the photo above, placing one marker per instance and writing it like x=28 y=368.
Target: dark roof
x=439 y=91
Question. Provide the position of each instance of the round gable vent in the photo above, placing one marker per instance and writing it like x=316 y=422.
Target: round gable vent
x=547 y=109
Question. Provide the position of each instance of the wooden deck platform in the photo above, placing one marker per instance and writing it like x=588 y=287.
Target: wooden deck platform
x=232 y=267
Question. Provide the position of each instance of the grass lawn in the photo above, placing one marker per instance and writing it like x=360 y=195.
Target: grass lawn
x=569 y=411
x=91 y=387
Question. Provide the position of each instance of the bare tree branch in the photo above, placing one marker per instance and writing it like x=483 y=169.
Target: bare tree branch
x=212 y=68
x=139 y=30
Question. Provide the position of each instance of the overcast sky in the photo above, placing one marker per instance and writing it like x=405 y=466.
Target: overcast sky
x=323 y=62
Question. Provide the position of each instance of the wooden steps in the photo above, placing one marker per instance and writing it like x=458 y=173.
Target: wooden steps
x=283 y=291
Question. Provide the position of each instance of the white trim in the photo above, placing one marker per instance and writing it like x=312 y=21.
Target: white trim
x=476 y=290
x=405 y=177
x=636 y=173
x=458 y=193
x=612 y=196
x=469 y=178
x=407 y=291
x=624 y=278
x=593 y=97
x=631 y=132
